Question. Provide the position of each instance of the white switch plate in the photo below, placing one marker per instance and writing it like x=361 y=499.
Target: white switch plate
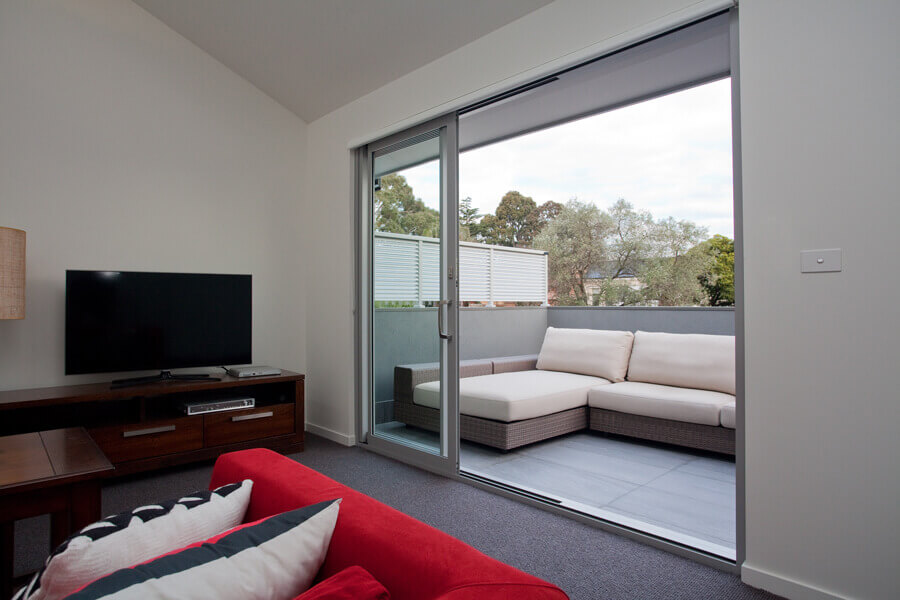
x=820 y=261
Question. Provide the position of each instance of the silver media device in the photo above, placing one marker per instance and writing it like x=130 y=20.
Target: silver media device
x=253 y=371
x=210 y=406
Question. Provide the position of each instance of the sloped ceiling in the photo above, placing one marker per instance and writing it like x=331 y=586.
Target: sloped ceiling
x=314 y=56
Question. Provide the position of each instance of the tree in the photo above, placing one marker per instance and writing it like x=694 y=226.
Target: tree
x=491 y=230
x=397 y=210
x=511 y=225
x=575 y=241
x=628 y=244
x=718 y=280
x=541 y=215
x=630 y=240
x=670 y=275
x=468 y=219
x=513 y=212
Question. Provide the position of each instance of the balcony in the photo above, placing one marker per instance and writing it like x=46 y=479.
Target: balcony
x=672 y=492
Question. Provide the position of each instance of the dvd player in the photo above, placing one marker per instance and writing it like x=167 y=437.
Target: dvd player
x=253 y=371
x=211 y=406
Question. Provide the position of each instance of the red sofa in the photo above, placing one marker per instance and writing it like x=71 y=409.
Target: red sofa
x=411 y=559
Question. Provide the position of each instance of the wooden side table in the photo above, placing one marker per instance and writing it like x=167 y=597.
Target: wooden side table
x=56 y=472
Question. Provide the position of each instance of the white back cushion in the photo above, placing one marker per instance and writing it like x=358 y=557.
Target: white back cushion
x=689 y=360
x=596 y=352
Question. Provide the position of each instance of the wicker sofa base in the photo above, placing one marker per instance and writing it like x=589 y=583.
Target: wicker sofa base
x=692 y=435
x=497 y=434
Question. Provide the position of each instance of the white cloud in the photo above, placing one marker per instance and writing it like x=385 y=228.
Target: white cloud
x=669 y=155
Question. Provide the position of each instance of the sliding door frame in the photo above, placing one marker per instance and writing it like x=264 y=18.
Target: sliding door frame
x=361 y=317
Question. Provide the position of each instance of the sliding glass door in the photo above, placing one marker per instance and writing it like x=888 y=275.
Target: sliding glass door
x=640 y=142
x=409 y=268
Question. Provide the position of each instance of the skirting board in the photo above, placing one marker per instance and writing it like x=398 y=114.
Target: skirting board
x=784 y=586
x=330 y=434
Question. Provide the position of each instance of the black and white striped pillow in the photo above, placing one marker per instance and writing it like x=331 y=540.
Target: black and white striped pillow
x=128 y=538
x=275 y=558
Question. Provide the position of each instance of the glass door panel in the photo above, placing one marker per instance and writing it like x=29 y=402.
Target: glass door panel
x=412 y=236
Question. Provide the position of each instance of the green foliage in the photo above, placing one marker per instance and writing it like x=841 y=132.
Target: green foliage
x=616 y=292
x=397 y=210
x=513 y=212
x=468 y=219
x=575 y=242
x=718 y=280
x=510 y=225
x=625 y=257
x=394 y=304
x=467 y=213
x=541 y=216
x=670 y=274
x=631 y=239
x=517 y=221
x=622 y=254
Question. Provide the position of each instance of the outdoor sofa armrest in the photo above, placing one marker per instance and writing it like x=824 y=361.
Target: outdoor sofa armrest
x=507 y=364
x=407 y=377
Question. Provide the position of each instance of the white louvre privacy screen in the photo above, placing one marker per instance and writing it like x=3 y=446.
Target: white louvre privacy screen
x=406 y=270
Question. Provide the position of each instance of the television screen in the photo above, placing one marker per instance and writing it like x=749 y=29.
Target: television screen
x=130 y=321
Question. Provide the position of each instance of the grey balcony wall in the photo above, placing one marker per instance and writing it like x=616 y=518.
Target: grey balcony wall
x=491 y=332
x=674 y=319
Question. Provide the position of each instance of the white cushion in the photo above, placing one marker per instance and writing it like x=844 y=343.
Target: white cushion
x=727 y=416
x=661 y=401
x=128 y=538
x=689 y=360
x=514 y=396
x=273 y=559
x=596 y=352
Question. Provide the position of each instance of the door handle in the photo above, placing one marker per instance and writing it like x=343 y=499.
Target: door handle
x=441 y=334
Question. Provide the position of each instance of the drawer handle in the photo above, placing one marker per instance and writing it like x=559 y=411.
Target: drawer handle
x=148 y=431
x=261 y=415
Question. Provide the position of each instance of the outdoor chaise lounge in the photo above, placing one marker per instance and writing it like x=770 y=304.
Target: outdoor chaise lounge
x=675 y=388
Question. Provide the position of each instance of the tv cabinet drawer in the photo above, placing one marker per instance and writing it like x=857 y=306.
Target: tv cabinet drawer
x=122 y=443
x=250 y=424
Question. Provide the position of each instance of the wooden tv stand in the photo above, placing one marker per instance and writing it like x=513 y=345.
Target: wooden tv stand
x=144 y=427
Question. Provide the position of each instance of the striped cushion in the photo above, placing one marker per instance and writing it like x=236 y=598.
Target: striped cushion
x=134 y=536
x=272 y=559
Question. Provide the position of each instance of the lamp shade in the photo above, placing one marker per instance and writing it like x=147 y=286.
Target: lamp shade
x=12 y=273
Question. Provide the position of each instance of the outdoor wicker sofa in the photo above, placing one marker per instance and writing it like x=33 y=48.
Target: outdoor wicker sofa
x=673 y=388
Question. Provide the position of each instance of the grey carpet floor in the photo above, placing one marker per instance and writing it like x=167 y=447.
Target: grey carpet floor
x=586 y=562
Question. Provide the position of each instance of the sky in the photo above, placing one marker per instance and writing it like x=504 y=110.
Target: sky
x=669 y=155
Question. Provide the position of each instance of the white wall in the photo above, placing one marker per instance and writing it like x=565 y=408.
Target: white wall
x=821 y=148
x=555 y=35
x=819 y=93
x=124 y=146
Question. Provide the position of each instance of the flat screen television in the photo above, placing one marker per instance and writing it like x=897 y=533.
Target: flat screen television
x=132 y=321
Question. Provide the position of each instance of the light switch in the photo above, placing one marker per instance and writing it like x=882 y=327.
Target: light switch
x=820 y=261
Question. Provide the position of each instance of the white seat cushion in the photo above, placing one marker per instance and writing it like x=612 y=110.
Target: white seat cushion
x=596 y=352
x=689 y=360
x=727 y=416
x=661 y=401
x=514 y=396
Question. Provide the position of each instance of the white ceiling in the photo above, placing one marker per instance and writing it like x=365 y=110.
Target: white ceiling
x=314 y=56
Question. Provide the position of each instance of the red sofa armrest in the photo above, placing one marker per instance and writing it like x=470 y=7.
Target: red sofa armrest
x=411 y=559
